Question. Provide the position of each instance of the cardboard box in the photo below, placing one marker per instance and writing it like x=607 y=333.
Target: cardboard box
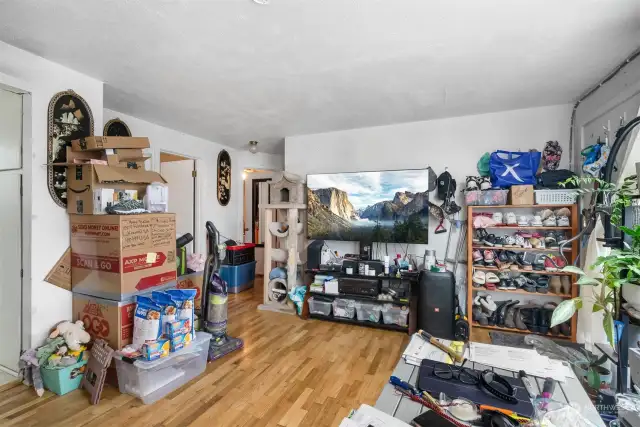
x=119 y=256
x=83 y=180
x=521 y=194
x=60 y=274
x=192 y=281
x=93 y=143
x=106 y=319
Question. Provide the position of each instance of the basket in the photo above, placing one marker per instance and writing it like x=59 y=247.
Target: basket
x=555 y=197
x=486 y=197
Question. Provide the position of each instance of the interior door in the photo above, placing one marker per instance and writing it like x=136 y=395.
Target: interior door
x=10 y=265
x=10 y=130
x=179 y=175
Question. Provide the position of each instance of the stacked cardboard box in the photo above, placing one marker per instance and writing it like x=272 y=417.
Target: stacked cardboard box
x=114 y=257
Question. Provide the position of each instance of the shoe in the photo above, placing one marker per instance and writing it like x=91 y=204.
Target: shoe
x=524 y=262
x=490 y=286
x=565 y=285
x=536 y=221
x=478 y=259
x=487 y=303
x=527 y=244
x=544 y=321
x=489 y=257
x=562 y=212
x=550 y=239
x=493 y=319
x=518 y=317
x=489 y=240
x=560 y=236
x=479 y=278
x=473 y=183
x=554 y=263
x=537 y=243
x=542 y=285
x=510 y=316
x=510 y=218
x=498 y=241
x=511 y=256
x=548 y=309
x=497 y=217
x=550 y=221
x=555 y=284
x=538 y=262
x=502 y=311
x=523 y=221
x=479 y=316
x=520 y=282
x=565 y=328
x=519 y=241
x=502 y=260
x=485 y=183
x=509 y=242
x=511 y=286
x=491 y=277
x=480 y=235
x=563 y=221
x=532 y=318
x=546 y=213
x=503 y=285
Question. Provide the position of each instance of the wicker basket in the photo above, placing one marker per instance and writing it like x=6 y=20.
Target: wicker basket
x=555 y=197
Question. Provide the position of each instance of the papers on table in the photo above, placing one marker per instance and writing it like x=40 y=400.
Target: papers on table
x=519 y=359
x=367 y=416
x=419 y=349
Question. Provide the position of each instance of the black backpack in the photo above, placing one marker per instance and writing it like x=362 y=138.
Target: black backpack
x=552 y=179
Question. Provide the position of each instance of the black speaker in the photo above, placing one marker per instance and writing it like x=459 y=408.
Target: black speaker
x=436 y=303
x=314 y=254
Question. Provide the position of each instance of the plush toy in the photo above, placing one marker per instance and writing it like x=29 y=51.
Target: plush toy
x=73 y=334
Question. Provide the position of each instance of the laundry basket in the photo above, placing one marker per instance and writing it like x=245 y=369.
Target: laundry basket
x=555 y=197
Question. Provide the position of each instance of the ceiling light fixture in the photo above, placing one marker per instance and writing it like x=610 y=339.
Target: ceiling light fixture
x=263 y=2
x=253 y=146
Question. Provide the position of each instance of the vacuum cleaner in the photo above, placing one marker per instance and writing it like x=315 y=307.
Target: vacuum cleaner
x=215 y=300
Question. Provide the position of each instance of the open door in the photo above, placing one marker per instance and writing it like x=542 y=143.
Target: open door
x=180 y=173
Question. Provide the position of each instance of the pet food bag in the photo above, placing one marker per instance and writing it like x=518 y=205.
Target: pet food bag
x=168 y=306
x=147 y=321
x=185 y=300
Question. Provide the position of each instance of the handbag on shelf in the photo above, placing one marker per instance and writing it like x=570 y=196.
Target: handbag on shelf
x=514 y=168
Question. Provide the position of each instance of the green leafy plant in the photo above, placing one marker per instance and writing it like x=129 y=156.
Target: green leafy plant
x=619 y=268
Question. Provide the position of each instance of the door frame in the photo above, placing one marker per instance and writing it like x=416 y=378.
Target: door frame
x=20 y=87
x=198 y=233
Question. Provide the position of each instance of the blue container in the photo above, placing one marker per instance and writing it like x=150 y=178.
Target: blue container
x=239 y=277
x=62 y=381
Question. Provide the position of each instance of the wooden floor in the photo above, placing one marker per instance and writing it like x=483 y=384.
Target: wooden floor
x=291 y=372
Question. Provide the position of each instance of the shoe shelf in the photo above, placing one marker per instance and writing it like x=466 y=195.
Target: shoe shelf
x=521 y=292
x=519 y=331
x=519 y=249
x=508 y=270
x=572 y=247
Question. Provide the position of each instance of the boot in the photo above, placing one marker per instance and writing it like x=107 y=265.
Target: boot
x=479 y=316
x=565 y=285
x=493 y=320
x=548 y=309
x=509 y=320
x=555 y=284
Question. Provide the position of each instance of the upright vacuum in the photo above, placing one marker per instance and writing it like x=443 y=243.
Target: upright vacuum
x=215 y=300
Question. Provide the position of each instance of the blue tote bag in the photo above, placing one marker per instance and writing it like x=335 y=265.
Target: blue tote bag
x=514 y=168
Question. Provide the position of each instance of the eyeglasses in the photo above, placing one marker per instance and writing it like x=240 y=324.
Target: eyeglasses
x=460 y=373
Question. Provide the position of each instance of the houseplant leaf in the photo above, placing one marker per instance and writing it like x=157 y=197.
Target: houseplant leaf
x=573 y=269
x=565 y=310
x=588 y=281
x=607 y=323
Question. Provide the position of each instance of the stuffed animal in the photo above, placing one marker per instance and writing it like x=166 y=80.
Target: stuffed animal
x=73 y=334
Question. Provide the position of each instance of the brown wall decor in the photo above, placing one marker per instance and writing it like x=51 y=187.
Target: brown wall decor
x=116 y=127
x=224 y=178
x=69 y=118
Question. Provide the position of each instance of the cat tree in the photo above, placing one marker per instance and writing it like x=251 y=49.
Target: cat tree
x=284 y=216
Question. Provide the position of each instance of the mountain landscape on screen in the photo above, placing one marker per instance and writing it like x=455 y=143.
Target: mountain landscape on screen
x=390 y=206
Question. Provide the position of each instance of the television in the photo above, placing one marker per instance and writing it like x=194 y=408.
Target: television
x=386 y=206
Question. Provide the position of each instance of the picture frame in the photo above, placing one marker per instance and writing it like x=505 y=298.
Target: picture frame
x=224 y=178
x=116 y=127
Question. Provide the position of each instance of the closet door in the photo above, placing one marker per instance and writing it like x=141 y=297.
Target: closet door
x=10 y=130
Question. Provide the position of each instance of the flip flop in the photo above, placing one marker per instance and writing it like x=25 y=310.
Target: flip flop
x=491 y=277
x=479 y=277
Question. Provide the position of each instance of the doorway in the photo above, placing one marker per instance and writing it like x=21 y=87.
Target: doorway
x=11 y=259
x=180 y=173
x=256 y=192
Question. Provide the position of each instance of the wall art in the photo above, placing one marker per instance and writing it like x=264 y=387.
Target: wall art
x=69 y=118
x=116 y=127
x=224 y=178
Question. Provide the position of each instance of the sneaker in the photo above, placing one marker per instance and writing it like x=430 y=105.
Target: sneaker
x=489 y=240
x=538 y=263
x=563 y=212
x=519 y=241
x=511 y=285
x=520 y=282
x=489 y=257
x=527 y=244
x=479 y=235
x=561 y=236
x=554 y=263
x=498 y=241
x=478 y=259
x=510 y=218
x=503 y=285
x=523 y=262
x=473 y=183
x=509 y=242
x=479 y=278
x=511 y=256
x=502 y=260
x=542 y=285
x=479 y=316
x=550 y=239
x=485 y=183
x=563 y=221
x=497 y=217
x=127 y=207
x=537 y=243
x=550 y=221
x=537 y=221
x=523 y=221
x=545 y=214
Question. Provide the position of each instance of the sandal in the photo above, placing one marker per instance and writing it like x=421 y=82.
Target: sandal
x=491 y=277
x=479 y=277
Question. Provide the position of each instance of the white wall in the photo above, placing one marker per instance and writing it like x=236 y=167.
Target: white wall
x=454 y=143
x=44 y=304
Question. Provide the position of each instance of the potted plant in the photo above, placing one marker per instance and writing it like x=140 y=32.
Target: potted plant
x=620 y=269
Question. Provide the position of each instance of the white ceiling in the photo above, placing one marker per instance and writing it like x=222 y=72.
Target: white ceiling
x=231 y=70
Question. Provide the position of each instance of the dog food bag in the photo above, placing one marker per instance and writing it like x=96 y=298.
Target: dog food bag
x=169 y=308
x=147 y=321
x=182 y=326
x=185 y=299
x=178 y=342
x=156 y=349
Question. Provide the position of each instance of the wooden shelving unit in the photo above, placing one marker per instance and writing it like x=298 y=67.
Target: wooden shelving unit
x=569 y=253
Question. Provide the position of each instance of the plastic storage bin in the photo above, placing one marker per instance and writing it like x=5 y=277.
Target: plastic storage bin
x=150 y=381
x=320 y=306
x=369 y=312
x=62 y=381
x=395 y=315
x=240 y=254
x=555 y=197
x=486 y=197
x=345 y=308
x=239 y=277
